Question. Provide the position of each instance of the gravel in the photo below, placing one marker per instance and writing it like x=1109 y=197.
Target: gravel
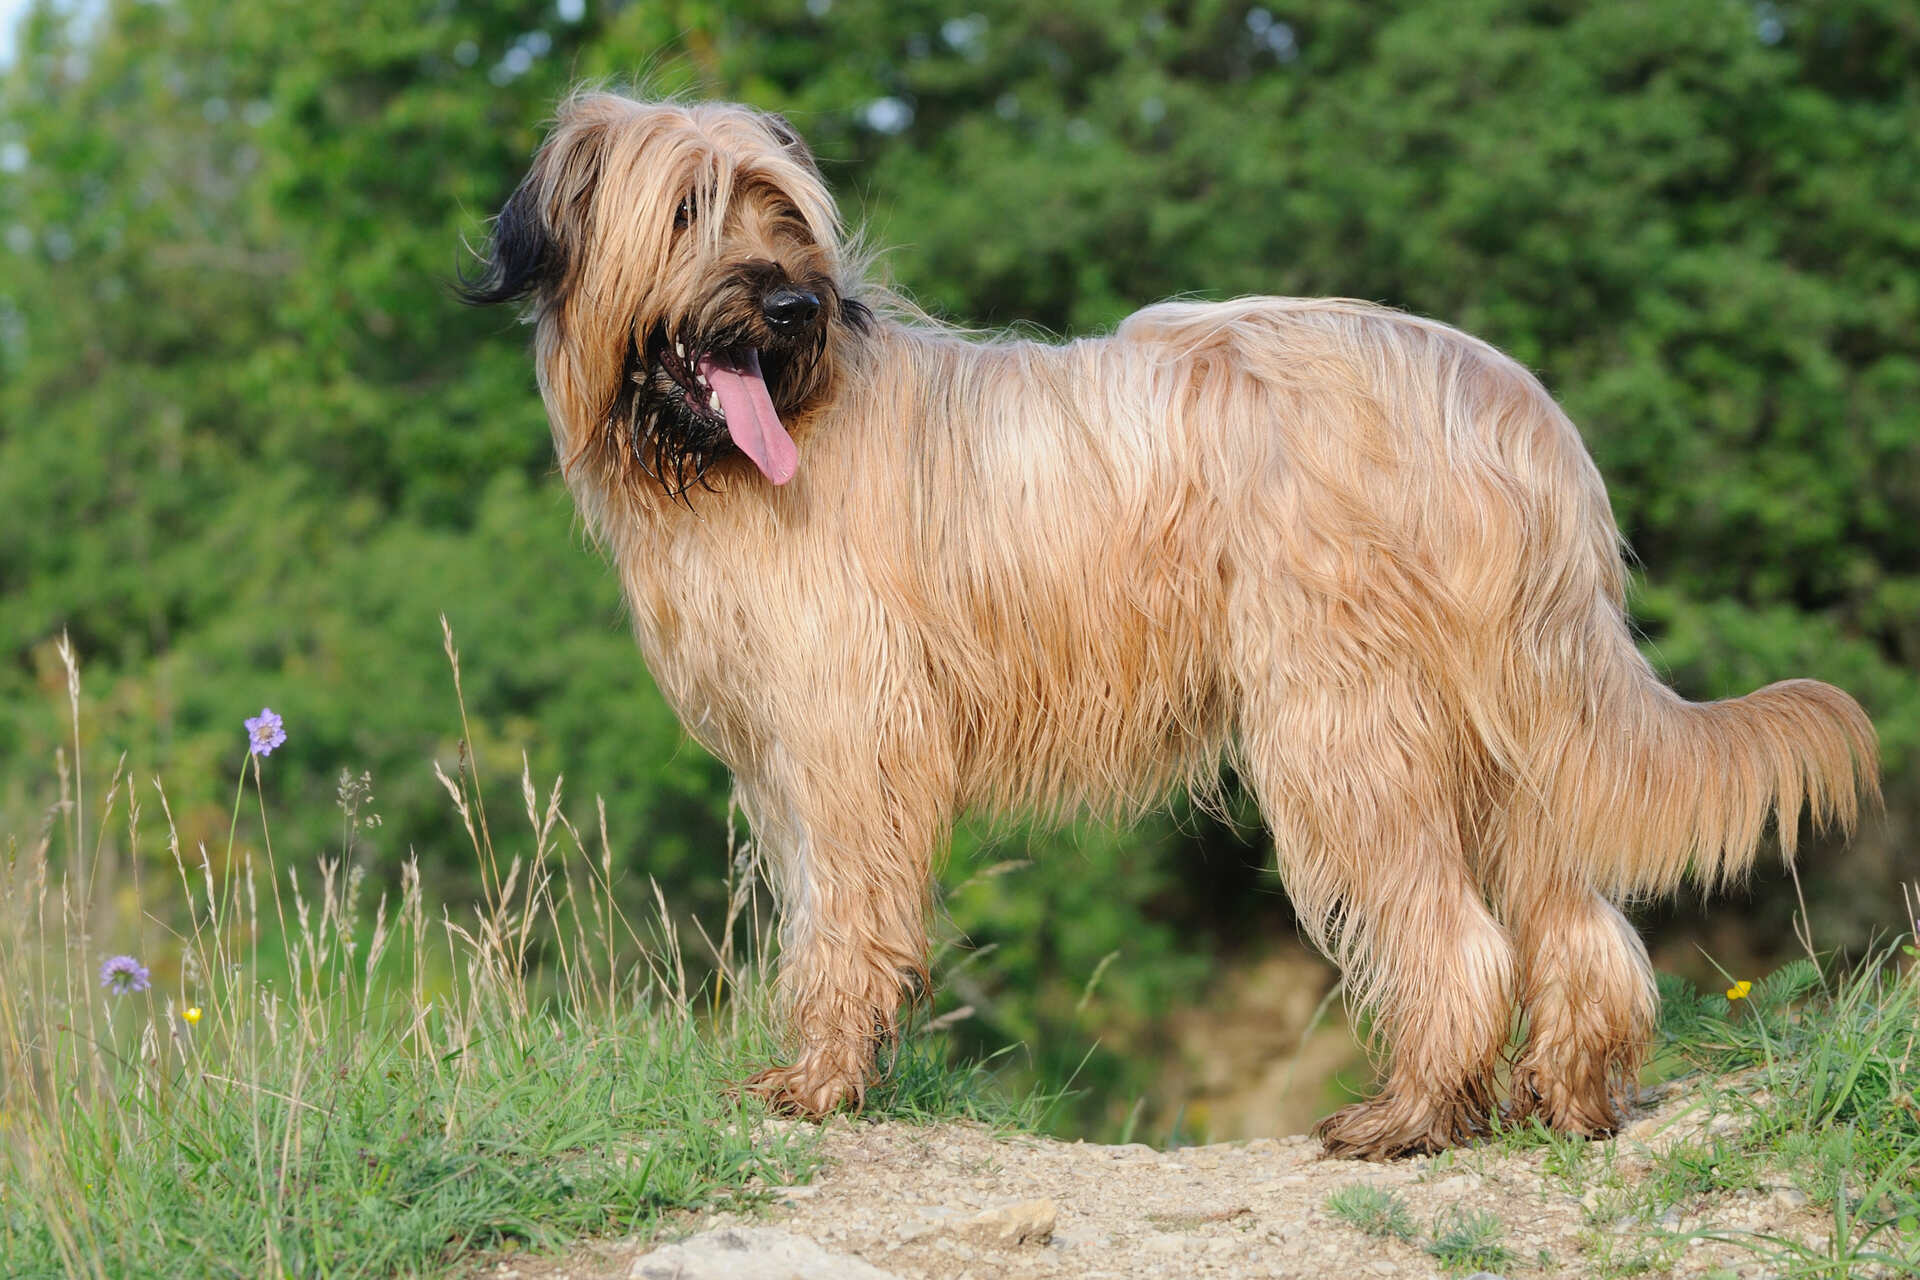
x=958 y=1202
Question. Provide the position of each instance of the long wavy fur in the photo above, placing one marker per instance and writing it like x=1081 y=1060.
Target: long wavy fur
x=1362 y=555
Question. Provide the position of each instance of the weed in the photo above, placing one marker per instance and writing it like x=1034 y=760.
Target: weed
x=1374 y=1210
x=1611 y=1255
x=1815 y=1066
x=1464 y=1240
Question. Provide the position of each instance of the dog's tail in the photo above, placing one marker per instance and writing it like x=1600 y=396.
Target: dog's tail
x=1647 y=789
x=1630 y=787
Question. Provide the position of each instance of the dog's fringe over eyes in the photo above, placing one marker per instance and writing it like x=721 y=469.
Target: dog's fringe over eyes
x=1361 y=556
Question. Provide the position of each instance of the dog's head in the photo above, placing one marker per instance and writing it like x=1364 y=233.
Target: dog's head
x=683 y=261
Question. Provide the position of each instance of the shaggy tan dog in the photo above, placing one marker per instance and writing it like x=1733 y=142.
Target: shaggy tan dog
x=888 y=572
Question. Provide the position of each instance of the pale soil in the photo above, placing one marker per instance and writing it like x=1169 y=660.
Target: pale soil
x=955 y=1201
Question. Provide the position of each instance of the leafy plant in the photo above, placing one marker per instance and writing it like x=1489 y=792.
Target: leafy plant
x=1463 y=1240
x=1374 y=1210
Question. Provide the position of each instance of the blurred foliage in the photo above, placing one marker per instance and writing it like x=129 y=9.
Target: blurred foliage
x=250 y=449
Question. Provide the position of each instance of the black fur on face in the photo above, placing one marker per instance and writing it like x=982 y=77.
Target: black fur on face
x=664 y=411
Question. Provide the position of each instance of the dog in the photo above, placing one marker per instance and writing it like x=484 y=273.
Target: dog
x=888 y=572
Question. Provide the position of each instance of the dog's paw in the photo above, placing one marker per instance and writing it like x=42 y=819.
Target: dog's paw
x=1394 y=1125
x=809 y=1090
x=1595 y=1107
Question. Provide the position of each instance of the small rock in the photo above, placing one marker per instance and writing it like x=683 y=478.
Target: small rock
x=1459 y=1184
x=749 y=1253
x=1028 y=1222
x=1789 y=1198
x=1642 y=1129
x=1281 y=1184
x=790 y=1194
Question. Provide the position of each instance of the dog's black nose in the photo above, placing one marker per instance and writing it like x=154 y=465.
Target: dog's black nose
x=789 y=311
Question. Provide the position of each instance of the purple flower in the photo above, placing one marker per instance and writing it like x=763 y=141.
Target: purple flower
x=124 y=974
x=265 y=732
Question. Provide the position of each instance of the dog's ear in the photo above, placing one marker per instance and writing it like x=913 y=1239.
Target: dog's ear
x=542 y=224
x=522 y=256
x=789 y=137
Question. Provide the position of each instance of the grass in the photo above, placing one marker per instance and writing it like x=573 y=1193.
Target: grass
x=1460 y=1240
x=1828 y=1108
x=1820 y=1070
x=1464 y=1240
x=1374 y=1210
x=326 y=1081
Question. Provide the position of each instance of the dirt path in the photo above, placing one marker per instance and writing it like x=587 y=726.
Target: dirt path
x=955 y=1202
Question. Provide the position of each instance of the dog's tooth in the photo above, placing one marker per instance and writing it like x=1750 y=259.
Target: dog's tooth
x=680 y=351
x=713 y=401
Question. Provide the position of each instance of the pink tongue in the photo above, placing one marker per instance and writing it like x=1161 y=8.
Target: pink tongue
x=751 y=421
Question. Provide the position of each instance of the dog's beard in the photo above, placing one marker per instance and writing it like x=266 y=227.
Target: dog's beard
x=697 y=389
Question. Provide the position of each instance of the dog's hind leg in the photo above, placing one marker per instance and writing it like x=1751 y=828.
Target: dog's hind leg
x=1586 y=987
x=1358 y=776
x=851 y=855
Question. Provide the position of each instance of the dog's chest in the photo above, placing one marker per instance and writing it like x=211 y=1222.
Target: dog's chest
x=741 y=634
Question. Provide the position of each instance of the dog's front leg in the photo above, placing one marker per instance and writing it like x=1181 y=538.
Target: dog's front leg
x=853 y=861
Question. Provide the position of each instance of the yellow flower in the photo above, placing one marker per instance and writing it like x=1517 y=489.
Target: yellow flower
x=1739 y=990
x=192 y=1015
